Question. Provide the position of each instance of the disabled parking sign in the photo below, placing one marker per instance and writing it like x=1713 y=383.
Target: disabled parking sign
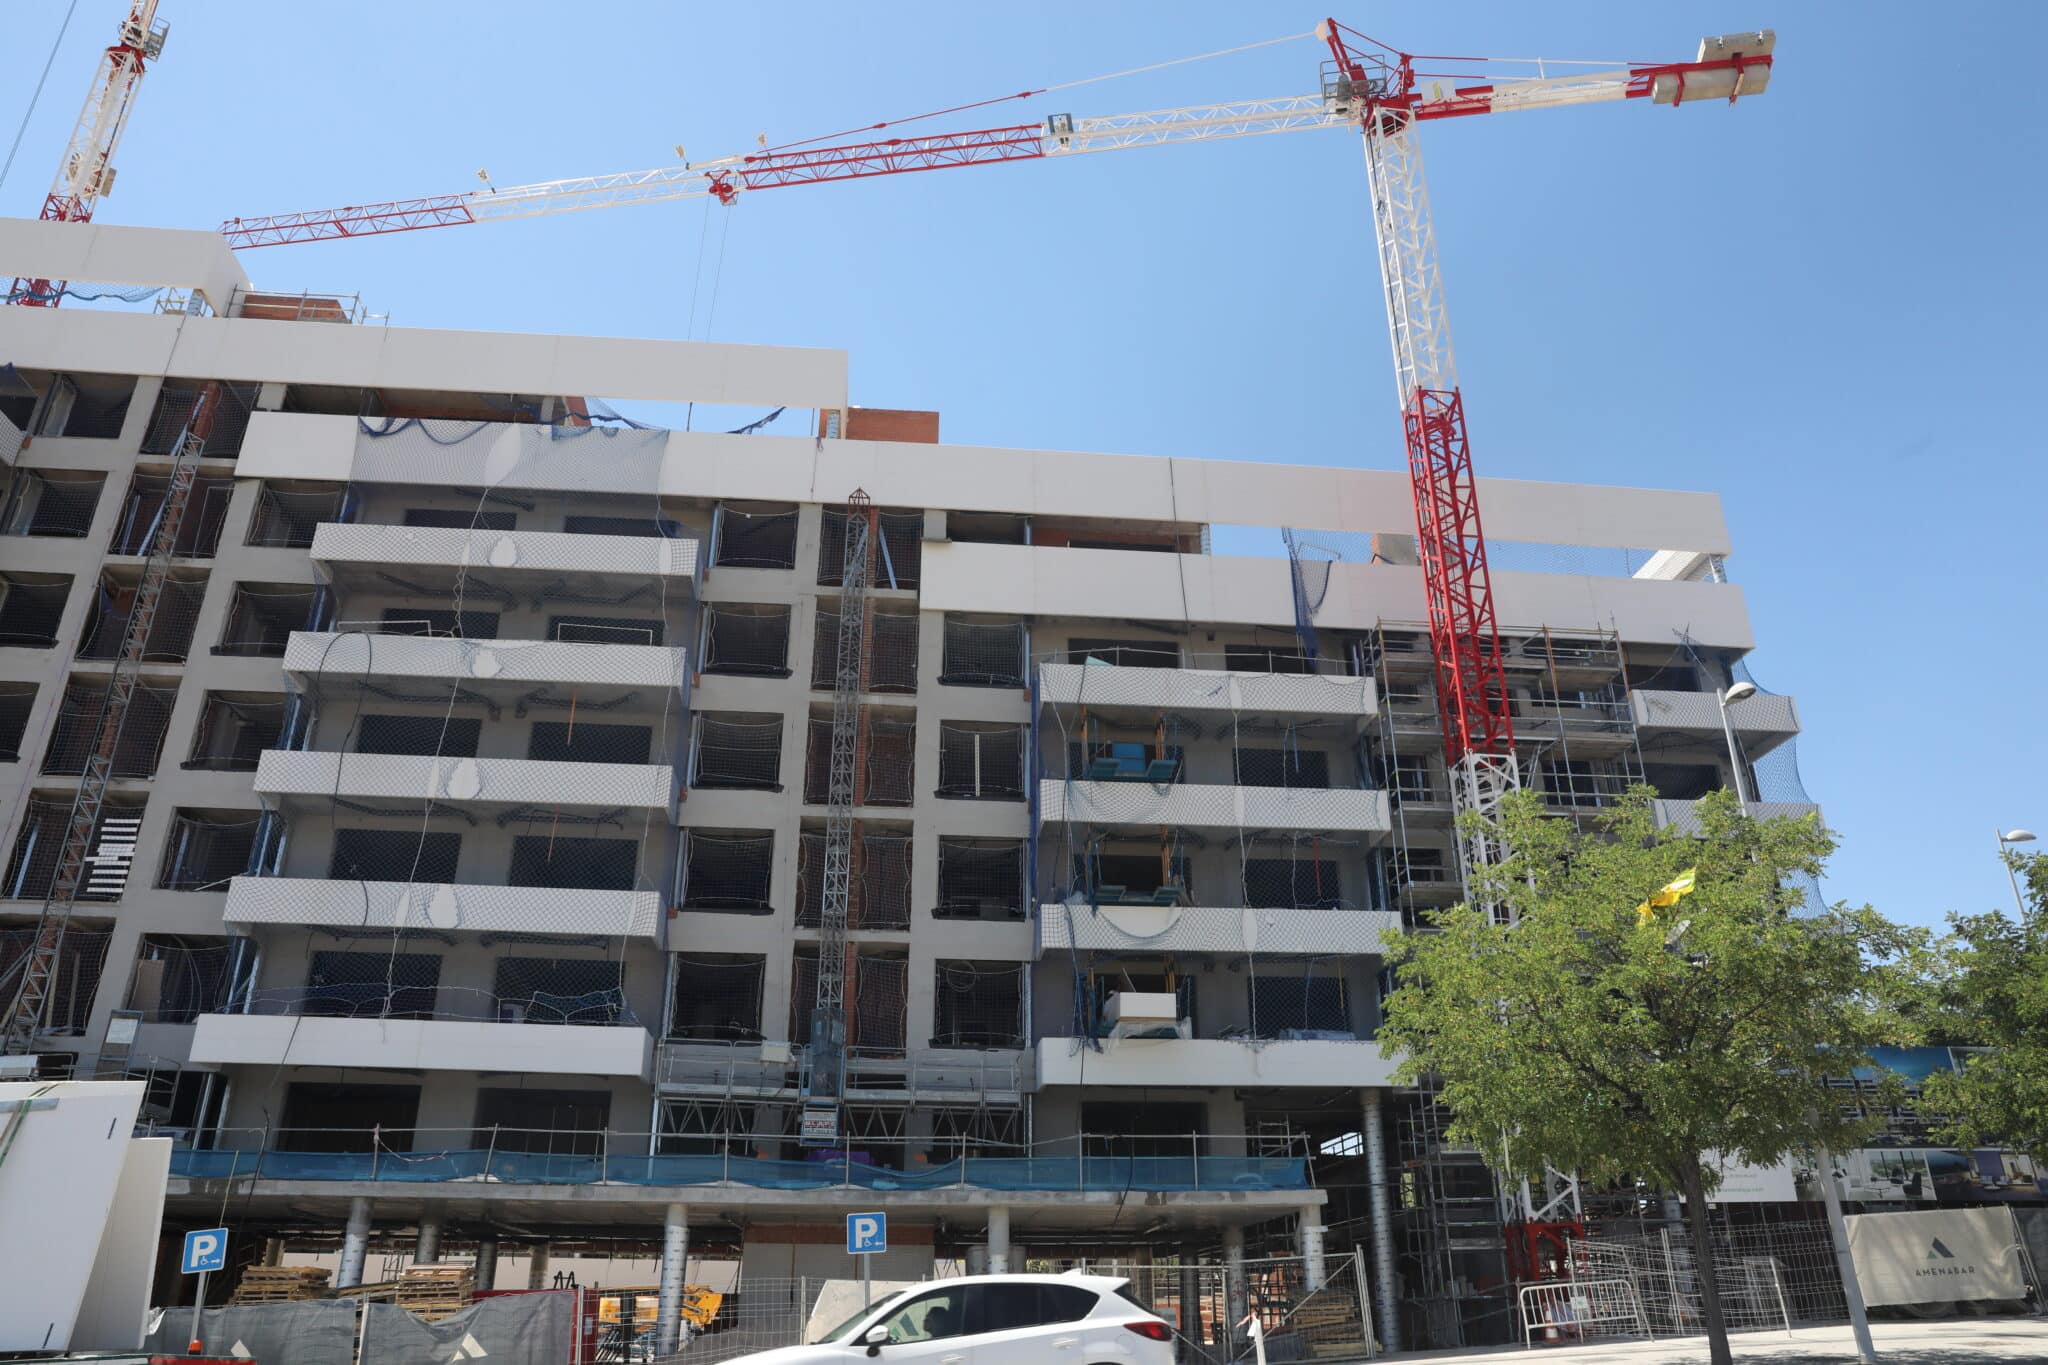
x=866 y=1233
x=205 y=1250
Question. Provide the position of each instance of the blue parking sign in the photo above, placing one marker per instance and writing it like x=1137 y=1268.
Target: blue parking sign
x=866 y=1233
x=205 y=1250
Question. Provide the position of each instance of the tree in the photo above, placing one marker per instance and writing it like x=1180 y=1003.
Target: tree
x=1988 y=986
x=1604 y=1036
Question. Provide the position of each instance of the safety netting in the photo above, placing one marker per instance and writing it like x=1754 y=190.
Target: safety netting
x=51 y=502
x=979 y=653
x=74 y=974
x=170 y=633
x=890 y=649
x=886 y=748
x=74 y=730
x=878 y=887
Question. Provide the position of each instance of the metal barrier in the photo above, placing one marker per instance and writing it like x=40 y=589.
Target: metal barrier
x=1579 y=1310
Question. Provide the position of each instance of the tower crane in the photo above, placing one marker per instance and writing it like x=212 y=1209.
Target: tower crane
x=86 y=173
x=1379 y=91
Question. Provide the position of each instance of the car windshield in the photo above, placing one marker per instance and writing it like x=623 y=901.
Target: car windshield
x=844 y=1331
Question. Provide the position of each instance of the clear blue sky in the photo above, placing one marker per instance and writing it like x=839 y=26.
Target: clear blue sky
x=1825 y=304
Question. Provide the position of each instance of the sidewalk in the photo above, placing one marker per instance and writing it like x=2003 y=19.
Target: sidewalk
x=1954 y=1341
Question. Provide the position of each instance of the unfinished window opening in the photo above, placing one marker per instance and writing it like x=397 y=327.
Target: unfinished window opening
x=320 y=1116
x=448 y=736
x=179 y=977
x=755 y=536
x=93 y=406
x=1291 y=766
x=728 y=869
x=659 y=528
x=1103 y=759
x=878 y=887
x=574 y=863
x=717 y=998
x=1267 y=659
x=262 y=617
x=1413 y=868
x=887 y=745
x=737 y=749
x=234 y=730
x=444 y=622
x=891 y=651
x=1306 y=882
x=476 y=518
x=978 y=1004
x=559 y=990
x=175 y=403
x=427 y=857
x=1683 y=781
x=896 y=556
x=51 y=502
x=170 y=634
x=746 y=638
x=982 y=653
x=590 y=742
x=142 y=510
x=352 y=985
x=1156 y=876
x=1308 y=1005
x=1582 y=784
x=560 y=1122
x=75 y=730
x=287 y=515
x=74 y=978
x=981 y=762
x=981 y=879
x=985 y=528
x=206 y=849
x=876 y=996
x=605 y=630
x=31 y=605
x=1409 y=778
x=17 y=701
x=1142 y=1128
x=1124 y=653
x=20 y=393
x=110 y=849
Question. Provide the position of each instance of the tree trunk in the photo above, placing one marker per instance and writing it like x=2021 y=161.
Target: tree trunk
x=1703 y=1265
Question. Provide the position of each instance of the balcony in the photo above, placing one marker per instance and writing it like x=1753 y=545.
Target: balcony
x=1194 y=806
x=1211 y=929
x=432 y=558
x=272 y=1039
x=1212 y=1062
x=1761 y=722
x=315 y=779
x=1192 y=689
x=444 y=906
x=495 y=670
x=1682 y=816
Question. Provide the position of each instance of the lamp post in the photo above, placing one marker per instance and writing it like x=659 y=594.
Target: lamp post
x=2014 y=836
x=1732 y=696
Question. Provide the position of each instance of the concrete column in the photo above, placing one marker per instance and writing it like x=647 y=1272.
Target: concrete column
x=998 y=1240
x=675 y=1257
x=1310 y=1232
x=355 y=1245
x=1235 y=1290
x=537 y=1266
x=1190 y=1295
x=273 y=1251
x=1380 y=1191
x=427 y=1249
x=487 y=1263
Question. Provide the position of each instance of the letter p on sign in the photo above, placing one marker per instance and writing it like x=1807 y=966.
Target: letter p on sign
x=866 y=1233
x=205 y=1250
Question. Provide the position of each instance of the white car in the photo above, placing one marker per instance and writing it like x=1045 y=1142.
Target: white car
x=1069 y=1319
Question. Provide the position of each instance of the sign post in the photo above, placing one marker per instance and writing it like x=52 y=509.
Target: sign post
x=205 y=1252
x=866 y=1234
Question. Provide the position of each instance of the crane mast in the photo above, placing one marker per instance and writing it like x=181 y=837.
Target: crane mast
x=86 y=173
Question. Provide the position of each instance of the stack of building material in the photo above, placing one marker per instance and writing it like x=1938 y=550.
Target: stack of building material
x=434 y=1292
x=280 y=1284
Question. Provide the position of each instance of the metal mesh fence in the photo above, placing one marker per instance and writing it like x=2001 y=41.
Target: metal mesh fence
x=179 y=977
x=32 y=608
x=74 y=981
x=978 y=1004
x=170 y=634
x=286 y=517
x=1772 y=1275
x=205 y=850
x=262 y=617
x=877 y=897
x=897 y=556
x=174 y=405
x=981 y=879
x=755 y=537
x=717 y=998
x=737 y=749
x=142 y=509
x=234 y=731
x=746 y=638
x=887 y=745
x=76 y=727
x=982 y=654
x=33 y=866
x=728 y=869
x=50 y=503
x=981 y=762
x=891 y=651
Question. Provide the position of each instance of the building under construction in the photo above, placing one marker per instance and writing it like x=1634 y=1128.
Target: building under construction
x=526 y=828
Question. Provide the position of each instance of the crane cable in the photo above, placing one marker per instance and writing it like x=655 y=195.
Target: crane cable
x=36 y=98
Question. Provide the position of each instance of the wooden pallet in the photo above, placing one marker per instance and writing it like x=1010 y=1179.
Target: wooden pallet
x=280 y=1284
x=434 y=1292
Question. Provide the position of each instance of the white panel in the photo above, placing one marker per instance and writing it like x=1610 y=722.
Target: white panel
x=390 y=905
x=1212 y=929
x=103 y=253
x=516 y=662
x=1196 y=806
x=1700 y=713
x=505 y=552
x=1212 y=1062
x=499 y=781
x=423 y=1044
x=115 y=1311
x=1193 y=689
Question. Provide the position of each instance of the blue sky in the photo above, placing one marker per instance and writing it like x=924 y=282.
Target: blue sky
x=1825 y=304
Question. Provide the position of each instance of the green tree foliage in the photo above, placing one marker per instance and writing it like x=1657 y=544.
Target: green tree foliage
x=1987 y=986
x=1597 y=1038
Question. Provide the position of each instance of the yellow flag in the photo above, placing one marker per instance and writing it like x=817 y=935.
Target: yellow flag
x=1679 y=886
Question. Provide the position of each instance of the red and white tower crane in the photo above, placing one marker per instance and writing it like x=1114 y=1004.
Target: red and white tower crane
x=86 y=173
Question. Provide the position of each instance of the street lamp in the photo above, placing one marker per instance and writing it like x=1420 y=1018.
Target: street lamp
x=1732 y=696
x=2014 y=836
